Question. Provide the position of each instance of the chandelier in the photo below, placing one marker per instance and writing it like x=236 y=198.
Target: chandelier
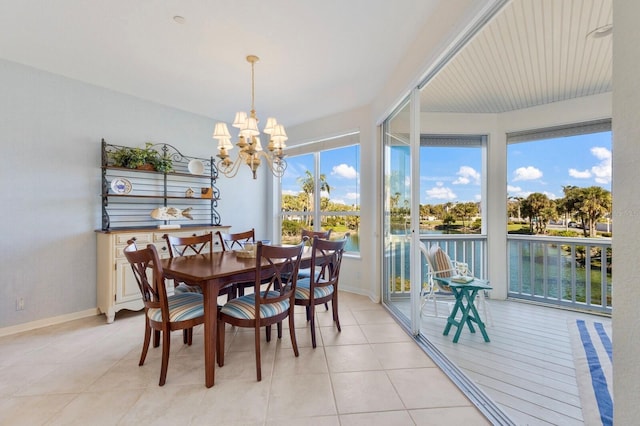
x=250 y=150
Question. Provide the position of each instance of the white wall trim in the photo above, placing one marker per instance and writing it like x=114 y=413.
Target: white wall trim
x=46 y=322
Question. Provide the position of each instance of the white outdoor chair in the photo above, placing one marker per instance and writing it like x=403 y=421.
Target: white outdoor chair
x=441 y=265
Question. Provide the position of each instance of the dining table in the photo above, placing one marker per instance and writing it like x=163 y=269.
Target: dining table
x=213 y=272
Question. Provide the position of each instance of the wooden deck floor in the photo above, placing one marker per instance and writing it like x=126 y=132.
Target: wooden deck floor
x=527 y=368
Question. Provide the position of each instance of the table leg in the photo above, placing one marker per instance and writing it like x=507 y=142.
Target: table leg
x=465 y=314
x=477 y=318
x=469 y=306
x=452 y=317
x=210 y=293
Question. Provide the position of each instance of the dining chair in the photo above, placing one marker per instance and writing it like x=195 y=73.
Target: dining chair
x=322 y=287
x=441 y=265
x=272 y=300
x=163 y=314
x=185 y=246
x=325 y=235
x=190 y=245
x=236 y=241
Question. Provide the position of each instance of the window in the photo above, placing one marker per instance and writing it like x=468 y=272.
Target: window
x=554 y=173
x=451 y=184
x=320 y=190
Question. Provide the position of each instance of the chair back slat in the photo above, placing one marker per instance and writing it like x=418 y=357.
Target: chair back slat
x=184 y=246
x=325 y=235
x=235 y=241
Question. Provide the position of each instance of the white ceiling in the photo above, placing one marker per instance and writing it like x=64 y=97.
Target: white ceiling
x=533 y=52
x=317 y=57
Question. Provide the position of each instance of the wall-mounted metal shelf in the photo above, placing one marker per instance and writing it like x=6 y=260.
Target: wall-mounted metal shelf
x=151 y=189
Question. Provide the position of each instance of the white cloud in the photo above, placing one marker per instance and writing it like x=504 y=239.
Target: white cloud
x=440 y=192
x=477 y=197
x=551 y=195
x=352 y=196
x=527 y=173
x=516 y=191
x=338 y=201
x=345 y=171
x=324 y=194
x=290 y=192
x=467 y=174
x=584 y=174
x=602 y=171
x=601 y=153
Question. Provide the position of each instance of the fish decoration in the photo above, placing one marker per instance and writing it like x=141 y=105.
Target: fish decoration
x=171 y=213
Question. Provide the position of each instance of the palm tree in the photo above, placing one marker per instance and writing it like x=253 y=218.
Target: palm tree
x=308 y=184
x=536 y=208
x=595 y=203
x=567 y=205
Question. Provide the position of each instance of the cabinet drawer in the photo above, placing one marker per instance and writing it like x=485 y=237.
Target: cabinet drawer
x=157 y=236
x=140 y=238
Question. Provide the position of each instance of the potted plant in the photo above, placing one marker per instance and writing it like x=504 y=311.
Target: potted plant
x=147 y=158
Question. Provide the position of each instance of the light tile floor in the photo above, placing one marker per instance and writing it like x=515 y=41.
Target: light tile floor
x=86 y=372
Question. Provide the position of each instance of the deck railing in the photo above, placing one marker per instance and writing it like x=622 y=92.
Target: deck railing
x=569 y=272
x=469 y=249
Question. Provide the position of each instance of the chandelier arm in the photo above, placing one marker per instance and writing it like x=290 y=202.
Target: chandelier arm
x=277 y=167
x=231 y=170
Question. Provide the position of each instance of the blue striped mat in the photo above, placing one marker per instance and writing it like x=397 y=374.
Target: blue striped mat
x=593 y=358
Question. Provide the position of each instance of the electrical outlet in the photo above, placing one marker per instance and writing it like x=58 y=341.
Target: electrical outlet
x=20 y=304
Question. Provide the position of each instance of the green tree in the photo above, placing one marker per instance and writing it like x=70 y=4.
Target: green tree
x=537 y=208
x=514 y=205
x=308 y=184
x=567 y=206
x=594 y=204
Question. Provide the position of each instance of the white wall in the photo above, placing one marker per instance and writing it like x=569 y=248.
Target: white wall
x=359 y=274
x=626 y=211
x=50 y=128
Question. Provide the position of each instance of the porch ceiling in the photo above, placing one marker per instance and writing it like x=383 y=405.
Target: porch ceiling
x=533 y=52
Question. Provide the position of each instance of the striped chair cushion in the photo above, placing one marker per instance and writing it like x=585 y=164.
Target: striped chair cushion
x=183 y=288
x=442 y=263
x=184 y=306
x=303 y=290
x=306 y=273
x=245 y=307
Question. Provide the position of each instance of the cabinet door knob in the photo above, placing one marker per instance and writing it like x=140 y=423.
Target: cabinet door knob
x=164 y=248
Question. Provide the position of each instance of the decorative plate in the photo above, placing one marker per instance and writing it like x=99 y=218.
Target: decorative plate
x=121 y=186
x=196 y=167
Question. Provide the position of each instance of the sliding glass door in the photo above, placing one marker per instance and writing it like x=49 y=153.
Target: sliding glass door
x=402 y=282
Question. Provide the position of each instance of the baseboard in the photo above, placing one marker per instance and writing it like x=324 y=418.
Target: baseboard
x=358 y=291
x=45 y=322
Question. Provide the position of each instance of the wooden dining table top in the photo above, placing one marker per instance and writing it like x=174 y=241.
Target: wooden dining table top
x=221 y=266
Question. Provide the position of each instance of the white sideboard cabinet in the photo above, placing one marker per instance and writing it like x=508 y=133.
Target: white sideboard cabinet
x=117 y=287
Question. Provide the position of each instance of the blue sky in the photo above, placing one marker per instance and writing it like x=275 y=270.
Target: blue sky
x=454 y=174
x=340 y=167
